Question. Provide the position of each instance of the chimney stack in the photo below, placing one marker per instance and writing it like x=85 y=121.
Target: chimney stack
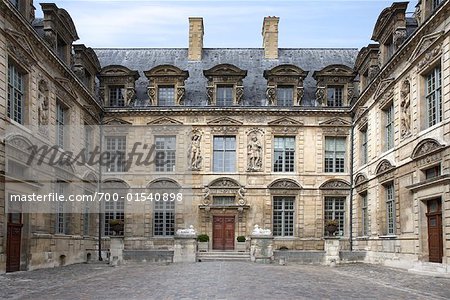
x=195 y=38
x=270 y=37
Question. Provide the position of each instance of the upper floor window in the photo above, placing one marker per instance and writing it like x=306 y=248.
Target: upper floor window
x=434 y=97
x=61 y=49
x=61 y=115
x=116 y=98
x=15 y=3
x=335 y=210
x=165 y=153
x=16 y=92
x=436 y=3
x=283 y=216
x=335 y=95
x=166 y=95
x=389 y=127
x=364 y=146
x=335 y=154
x=224 y=156
x=116 y=147
x=284 y=152
x=390 y=208
x=224 y=95
x=285 y=96
x=432 y=172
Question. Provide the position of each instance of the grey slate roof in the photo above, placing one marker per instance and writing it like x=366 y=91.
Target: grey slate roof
x=250 y=59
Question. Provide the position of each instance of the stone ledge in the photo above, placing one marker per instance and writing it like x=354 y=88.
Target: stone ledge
x=305 y=257
x=148 y=255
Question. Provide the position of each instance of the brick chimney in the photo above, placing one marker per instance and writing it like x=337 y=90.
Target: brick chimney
x=270 y=37
x=195 y=38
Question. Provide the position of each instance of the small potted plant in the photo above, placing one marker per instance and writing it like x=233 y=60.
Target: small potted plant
x=116 y=225
x=241 y=244
x=203 y=242
x=331 y=226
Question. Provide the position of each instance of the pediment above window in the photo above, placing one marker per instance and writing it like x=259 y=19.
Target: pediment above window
x=335 y=184
x=285 y=122
x=166 y=184
x=166 y=85
x=426 y=147
x=360 y=179
x=122 y=80
x=383 y=167
x=225 y=85
x=224 y=182
x=224 y=121
x=285 y=183
x=21 y=40
x=115 y=121
x=335 y=122
x=64 y=89
x=283 y=77
x=388 y=20
x=335 y=85
x=224 y=70
x=164 y=121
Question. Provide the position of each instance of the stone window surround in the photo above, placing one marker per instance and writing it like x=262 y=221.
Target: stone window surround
x=423 y=106
x=115 y=75
x=227 y=75
x=166 y=75
x=335 y=75
x=25 y=90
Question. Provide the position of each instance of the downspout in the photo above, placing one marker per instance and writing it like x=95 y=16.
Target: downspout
x=352 y=135
x=99 y=189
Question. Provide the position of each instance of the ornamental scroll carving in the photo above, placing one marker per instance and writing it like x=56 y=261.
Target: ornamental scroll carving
x=222 y=186
x=405 y=104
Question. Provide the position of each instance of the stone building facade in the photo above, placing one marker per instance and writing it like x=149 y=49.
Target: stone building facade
x=283 y=138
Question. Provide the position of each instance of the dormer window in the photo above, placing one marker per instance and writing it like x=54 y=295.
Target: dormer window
x=15 y=3
x=225 y=85
x=117 y=86
x=61 y=49
x=334 y=86
x=285 y=85
x=85 y=65
x=166 y=85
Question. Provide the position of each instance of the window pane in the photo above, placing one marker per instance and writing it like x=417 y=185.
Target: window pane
x=335 y=210
x=164 y=218
x=224 y=95
x=60 y=117
x=285 y=95
x=334 y=96
x=116 y=96
x=15 y=94
x=224 y=156
x=166 y=95
x=115 y=147
x=165 y=149
x=283 y=216
x=284 y=154
x=434 y=97
x=335 y=154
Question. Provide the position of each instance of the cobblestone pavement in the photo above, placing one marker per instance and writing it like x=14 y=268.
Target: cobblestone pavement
x=221 y=280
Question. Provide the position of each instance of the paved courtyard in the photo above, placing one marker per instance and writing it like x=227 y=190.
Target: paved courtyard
x=221 y=280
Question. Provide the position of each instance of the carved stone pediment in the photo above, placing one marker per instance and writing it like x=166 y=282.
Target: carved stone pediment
x=19 y=147
x=335 y=71
x=382 y=86
x=360 y=111
x=426 y=147
x=21 y=40
x=383 y=167
x=335 y=122
x=285 y=122
x=67 y=86
x=335 y=184
x=425 y=44
x=164 y=121
x=225 y=121
x=224 y=182
x=224 y=70
x=115 y=121
x=164 y=184
x=360 y=179
x=285 y=183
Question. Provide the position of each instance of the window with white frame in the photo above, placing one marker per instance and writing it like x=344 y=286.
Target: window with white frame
x=284 y=153
x=285 y=95
x=364 y=145
x=335 y=96
x=389 y=127
x=334 y=154
x=224 y=95
x=165 y=153
x=283 y=216
x=61 y=115
x=390 y=208
x=114 y=210
x=364 y=215
x=116 y=97
x=224 y=156
x=16 y=93
x=434 y=97
x=335 y=210
x=62 y=219
x=166 y=95
x=116 y=147
x=164 y=218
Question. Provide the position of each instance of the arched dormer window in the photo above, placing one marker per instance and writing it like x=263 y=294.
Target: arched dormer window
x=225 y=87
x=166 y=85
x=117 y=86
x=285 y=85
x=334 y=86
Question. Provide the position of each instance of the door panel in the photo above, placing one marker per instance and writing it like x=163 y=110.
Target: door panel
x=223 y=233
x=435 y=241
x=13 y=241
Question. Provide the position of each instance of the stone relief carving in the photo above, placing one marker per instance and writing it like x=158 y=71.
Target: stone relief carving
x=43 y=106
x=151 y=91
x=254 y=152
x=320 y=95
x=241 y=196
x=399 y=37
x=194 y=154
x=430 y=56
x=271 y=95
x=181 y=91
x=130 y=96
x=284 y=184
x=239 y=94
x=210 y=94
x=426 y=147
x=373 y=72
x=405 y=122
x=300 y=94
x=335 y=184
x=384 y=166
x=360 y=178
x=206 y=196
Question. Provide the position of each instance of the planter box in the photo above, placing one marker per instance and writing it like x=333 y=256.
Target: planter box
x=241 y=246
x=203 y=246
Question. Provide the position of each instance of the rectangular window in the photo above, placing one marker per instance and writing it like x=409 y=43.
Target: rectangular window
x=16 y=170
x=15 y=3
x=86 y=214
x=165 y=153
x=114 y=210
x=334 y=154
x=335 y=96
x=62 y=220
x=364 y=215
x=223 y=200
x=166 y=95
x=364 y=146
x=283 y=216
x=284 y=153
x=224 y=157
x=115 y=147
x=434 y=97
x=390 y=208
x=116 y=98
x=224 y=95
x=87 y=138
x=164 y=218
x=16 y=99
x=389 y=127
x=435 y=4
x=60 y=124
x=433 y=172
x=335 y=210
x=285 y=96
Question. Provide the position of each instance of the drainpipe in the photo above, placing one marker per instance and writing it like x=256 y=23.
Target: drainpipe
x=99 y=188
x=352 y=135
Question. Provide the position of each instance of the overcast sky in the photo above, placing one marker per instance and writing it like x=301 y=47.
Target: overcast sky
x=304 y=24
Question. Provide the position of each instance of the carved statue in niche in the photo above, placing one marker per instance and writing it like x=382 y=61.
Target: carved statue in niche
x=43 y=106
x=254 y=153
x=405 y=108
x=194 y=154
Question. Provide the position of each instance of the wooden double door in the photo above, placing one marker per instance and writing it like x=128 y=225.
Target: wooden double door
x=13 y=242
x=435 y=240
x=223 y=232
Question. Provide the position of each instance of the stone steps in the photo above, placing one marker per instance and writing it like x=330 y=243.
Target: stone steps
x=223 y=256
x=432 y=269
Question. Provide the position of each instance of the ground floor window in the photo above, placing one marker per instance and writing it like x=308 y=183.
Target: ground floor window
x=335 y=210
x=283 y=216
x=164 y=218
